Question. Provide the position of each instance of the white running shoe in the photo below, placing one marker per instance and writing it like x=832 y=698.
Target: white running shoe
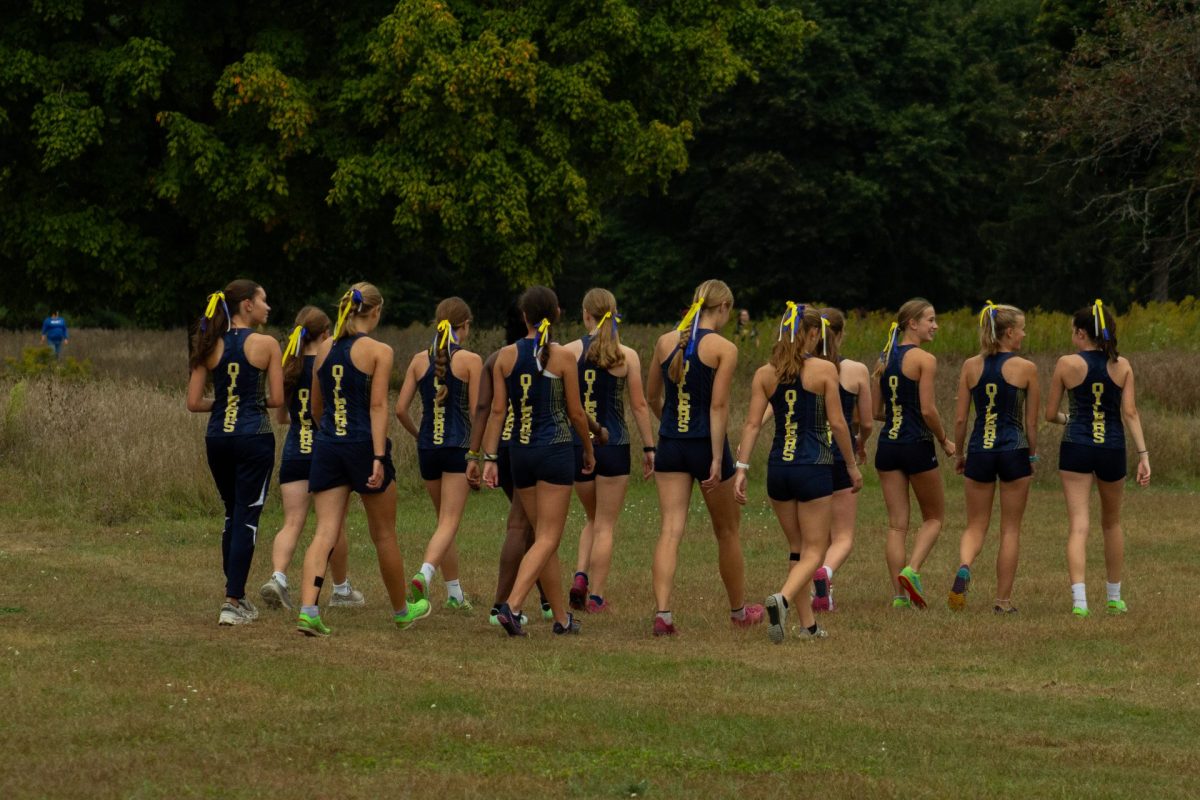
x=776 y=608
x=233 y=615
x=275 y=594
x=802 y=633
x=351 y=599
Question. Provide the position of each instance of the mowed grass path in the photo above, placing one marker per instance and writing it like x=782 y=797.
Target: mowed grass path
x=116 y=681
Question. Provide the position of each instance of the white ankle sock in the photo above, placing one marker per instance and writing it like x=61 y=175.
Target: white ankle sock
x=1114 y=590
x=666 y=617
x=281 y=578
x=427 y=570
x=342 y=588
x=454 y=589
x=1079 y=595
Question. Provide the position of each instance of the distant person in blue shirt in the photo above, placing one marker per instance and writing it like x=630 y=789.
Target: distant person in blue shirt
x=54 y=332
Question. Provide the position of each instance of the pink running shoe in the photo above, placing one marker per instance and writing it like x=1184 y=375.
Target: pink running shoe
x=596 y=607
x=663 y=629
x=579 y=592
x=822 y=591
x=754 y=615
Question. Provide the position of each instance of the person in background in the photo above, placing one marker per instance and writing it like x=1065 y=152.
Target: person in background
x=54 y=332
x=745 y=331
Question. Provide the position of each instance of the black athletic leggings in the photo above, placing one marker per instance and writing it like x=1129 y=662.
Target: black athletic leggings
x=241 y=467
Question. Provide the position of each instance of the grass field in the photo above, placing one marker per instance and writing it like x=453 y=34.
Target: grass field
x=118 y=683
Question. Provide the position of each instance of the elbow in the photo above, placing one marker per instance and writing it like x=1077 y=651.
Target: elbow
x=275 y=402
x=194 y=407
x=930 y=417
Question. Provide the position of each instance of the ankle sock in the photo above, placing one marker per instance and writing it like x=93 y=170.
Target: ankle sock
x=342 y=588
x=311 y=611
x=454 y=589
x=427 y=570
x=1079 y=595
x=666 y=617
x=738 y=614
x=582 y=575
x=1114 y=590
x=280 y=578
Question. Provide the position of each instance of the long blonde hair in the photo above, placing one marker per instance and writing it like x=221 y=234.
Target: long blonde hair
x=913 y=309
x=605 y=348
x=994 y=322
x=357 y=303
x=788 y=354
x=710 y=294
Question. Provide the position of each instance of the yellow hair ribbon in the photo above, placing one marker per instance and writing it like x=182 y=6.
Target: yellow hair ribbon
x=989 y=313
x=543 y=329
x=789 y=321
x=213 y=299
x=607 y=316
x=1098 y=313
x=447 y=331
x=293 y=345
x=691 y=314
x=824 y=338
x=891 y=342
x=343 y=315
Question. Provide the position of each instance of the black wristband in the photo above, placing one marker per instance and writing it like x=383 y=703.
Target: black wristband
x=381 y=458
x=649 y=449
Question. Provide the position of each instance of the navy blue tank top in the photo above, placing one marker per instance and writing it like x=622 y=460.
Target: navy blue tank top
x=1095 y=417
x=298 y=445
x=603 y=396
x=849 y=401
x=800 y=427
x=536 y=402
x=346 y=394
x=445 y=424
x=902 y=420
x=686 y=409
x=999 y=410
x=239 y=391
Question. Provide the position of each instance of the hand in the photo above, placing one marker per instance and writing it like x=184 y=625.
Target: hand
x=647 y=465
x=739 y=486
x=960 y=465
x=602 y=436
x=714 y=476
x=589 y=461
x=948 y=447
x=1143 y=471
x=376 y=479
x=860 y=455
x=473 y=475
x=856 y=479
x=491 y=474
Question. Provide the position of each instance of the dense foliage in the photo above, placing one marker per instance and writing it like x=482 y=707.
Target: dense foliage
x=857 y=152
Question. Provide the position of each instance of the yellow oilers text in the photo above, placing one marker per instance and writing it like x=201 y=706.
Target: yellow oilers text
x=683 y=409
x=897 y=411
x=306 y=432
x=439 y=415
x=506 y=434
x=990 y=416
x=589 y=393
x=526 y=430
x=340 y=418
x=1098 y=430
x=790 y=426
x=231 y=398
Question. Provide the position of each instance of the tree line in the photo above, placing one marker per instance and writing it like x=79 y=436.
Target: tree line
x=1036 y=150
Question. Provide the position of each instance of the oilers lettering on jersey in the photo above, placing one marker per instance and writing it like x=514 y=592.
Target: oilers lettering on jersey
x=990 y=416
x=1098 y=413
x=790 y=426
x=306 y=431
x=340 y=416
x=232 y=399
x=526 y=429
x=439 y=415
x=683 y=410
x=897 y=409
x=589 y=393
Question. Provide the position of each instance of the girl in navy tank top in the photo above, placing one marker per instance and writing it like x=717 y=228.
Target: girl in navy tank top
x=1003 y=388
x=537 y=379
x=688 y=387
x=910 y=423
x=608 y=370
x=352 y=452
x=1103 y=414
x=854 y=388
x=312 y=328
x=247 y=379
x=803 y=392
x=447 y=378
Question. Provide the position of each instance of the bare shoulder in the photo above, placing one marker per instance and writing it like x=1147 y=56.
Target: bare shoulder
x=574 y=347
x=631 y=355
x=470 y=357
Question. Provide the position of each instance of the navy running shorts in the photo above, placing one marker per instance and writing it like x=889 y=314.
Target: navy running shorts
x=612 y=461
x=911 y=458
x=504 y=470
x=841 y=476
x=348 y=464
x=294 y=469
x=551 y=463
x=1007 y=465
x=1107 y=463
x=439 y=460
x=693 y=456
x=799 y=482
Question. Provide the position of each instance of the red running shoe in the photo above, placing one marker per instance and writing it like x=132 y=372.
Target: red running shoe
x=822 y=591
x=754 y=615
x=579 y=592
x=596 y=605
x=663 y=629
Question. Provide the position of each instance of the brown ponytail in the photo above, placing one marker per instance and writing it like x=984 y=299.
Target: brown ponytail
x=216 y=320
x=315 y=324
x=540 y=305
x=605 y=349
x=833 y=334
x=454 y=312
x=1100 y=324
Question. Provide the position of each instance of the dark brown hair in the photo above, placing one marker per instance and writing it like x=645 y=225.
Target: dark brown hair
x=210 y=330
x=1103 y=335
x=315 y=323
x=455 y=311
x=540 y=303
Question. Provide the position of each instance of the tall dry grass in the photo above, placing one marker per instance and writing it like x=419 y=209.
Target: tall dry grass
x=122 y=446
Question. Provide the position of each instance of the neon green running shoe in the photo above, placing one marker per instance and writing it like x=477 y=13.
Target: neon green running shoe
x=463 y=605
x=910 y=581
x=1117 y=607
x=901 y=602
x=420 y=587
x=417 y=609
x=1080 y=612
x=547 y=612
x=312 y=626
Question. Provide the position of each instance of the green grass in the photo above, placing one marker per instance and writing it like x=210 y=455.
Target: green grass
x=117 y=681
